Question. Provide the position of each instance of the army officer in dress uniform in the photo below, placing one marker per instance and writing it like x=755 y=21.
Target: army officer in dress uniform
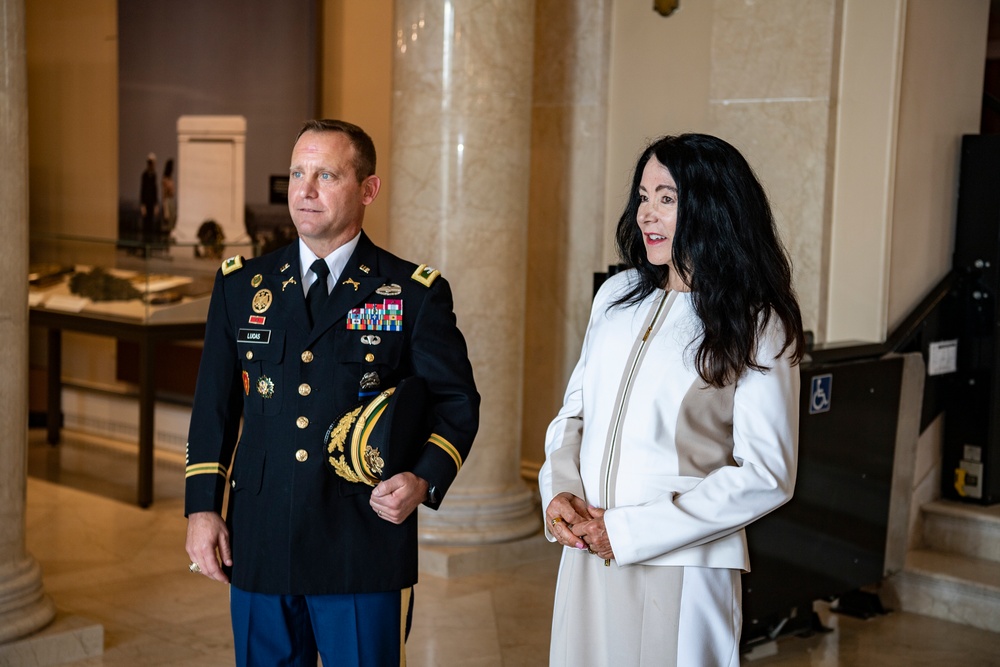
x=321 y=551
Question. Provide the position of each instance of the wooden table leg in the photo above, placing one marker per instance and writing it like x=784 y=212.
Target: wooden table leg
x=147 y=406
x=53 y=419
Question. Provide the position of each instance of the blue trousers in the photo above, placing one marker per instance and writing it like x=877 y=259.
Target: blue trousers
x=363 y=629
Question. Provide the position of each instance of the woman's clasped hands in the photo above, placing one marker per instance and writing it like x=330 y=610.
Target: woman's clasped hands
x=576 y=524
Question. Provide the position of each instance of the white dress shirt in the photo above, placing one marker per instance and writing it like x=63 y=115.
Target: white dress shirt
x=336 y=260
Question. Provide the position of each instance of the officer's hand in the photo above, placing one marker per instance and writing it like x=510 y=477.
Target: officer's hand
x=207 y=542
x=395 y=498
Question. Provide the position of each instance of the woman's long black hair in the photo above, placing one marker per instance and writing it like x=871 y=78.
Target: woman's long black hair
x=725 y=247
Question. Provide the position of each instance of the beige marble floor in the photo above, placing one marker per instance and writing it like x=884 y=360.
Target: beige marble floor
x=105 y=559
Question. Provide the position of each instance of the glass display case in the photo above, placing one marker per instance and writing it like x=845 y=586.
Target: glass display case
x=141 y=293
x=124 y=280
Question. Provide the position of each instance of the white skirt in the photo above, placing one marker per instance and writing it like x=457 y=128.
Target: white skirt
x=644 y=615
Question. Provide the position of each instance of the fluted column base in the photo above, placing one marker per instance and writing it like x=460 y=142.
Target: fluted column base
x=475 y=516
x=24 y=607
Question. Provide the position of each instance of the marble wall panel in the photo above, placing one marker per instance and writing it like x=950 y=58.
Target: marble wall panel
x=771 y=92
x=786 y=144
x=772 y=49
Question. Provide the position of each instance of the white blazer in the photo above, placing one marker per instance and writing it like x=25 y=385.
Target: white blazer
x=680 y=467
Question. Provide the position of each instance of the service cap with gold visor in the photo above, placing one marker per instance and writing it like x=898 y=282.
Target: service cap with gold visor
x=381 y=437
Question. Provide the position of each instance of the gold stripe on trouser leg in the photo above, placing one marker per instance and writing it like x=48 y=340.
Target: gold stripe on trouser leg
x=404 y=608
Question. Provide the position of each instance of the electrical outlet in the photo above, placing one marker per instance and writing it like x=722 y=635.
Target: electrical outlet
x=972 y=453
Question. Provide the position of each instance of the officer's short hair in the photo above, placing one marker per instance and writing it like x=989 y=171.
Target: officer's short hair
x=364 y=147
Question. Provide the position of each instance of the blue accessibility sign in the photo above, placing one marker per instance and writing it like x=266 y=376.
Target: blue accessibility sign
x=820 y=393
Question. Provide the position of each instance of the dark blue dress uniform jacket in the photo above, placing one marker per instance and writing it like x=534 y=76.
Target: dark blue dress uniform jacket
x=296 y=527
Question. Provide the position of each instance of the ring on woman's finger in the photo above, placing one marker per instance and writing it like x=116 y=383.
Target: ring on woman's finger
x=193 y=567
x=591 y=551
x=556 y=520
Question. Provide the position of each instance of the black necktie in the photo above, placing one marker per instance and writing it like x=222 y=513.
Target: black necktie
x=317 y=292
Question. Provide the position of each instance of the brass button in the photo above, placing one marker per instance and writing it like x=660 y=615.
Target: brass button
x=307 y=356
x=302 y=422
x=369 y=357
x=249 y=354
x=304 y=389
x=301 y=455
x=232 y=483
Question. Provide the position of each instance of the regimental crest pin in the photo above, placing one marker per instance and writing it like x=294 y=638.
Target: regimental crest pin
x=256 y=280
x=262 y=301
x=374 y=460
x=265 y=386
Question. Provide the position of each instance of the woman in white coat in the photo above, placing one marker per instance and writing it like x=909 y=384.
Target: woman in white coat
x=679 y=425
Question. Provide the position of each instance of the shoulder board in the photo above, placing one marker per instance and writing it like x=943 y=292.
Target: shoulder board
x=234 y=263
x=425 y=275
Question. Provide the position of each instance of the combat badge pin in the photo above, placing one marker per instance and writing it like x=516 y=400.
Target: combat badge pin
x=261 y=301
x=389 y=290
x=256 y=280
x=265 y=386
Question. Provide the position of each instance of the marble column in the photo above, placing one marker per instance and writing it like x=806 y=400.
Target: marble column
x=24 y=607
x=458 y=200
